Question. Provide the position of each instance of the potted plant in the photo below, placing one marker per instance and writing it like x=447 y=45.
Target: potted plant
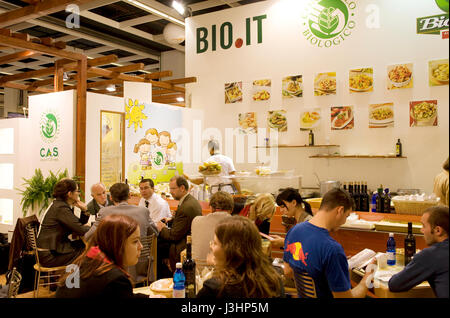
x=38 y=191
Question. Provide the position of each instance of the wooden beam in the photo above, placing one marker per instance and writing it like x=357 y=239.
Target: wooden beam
x=26 y=45
x=16 y=56
x=157 y=75
x=104 y=83
x=80 y=148
x=34 y=11
x=58 y=77
x=167 y=99
x=25 y=87
x=46 y=82
x=127 y=68
x=182 y=80
x=158 y=92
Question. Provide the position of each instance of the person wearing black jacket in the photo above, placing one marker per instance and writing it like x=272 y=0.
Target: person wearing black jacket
x=58 y=223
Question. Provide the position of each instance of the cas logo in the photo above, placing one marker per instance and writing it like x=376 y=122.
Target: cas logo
x=328 y=23
x=223 y=35
x=49 y=128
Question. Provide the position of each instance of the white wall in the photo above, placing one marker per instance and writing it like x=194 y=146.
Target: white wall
x=285 y=52
x=173 y=61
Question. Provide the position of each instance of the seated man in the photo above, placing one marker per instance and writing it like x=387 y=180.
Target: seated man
x=157 y=206
x=120 y=193
x=203 y=227
x=431 y=264
x=171 y=241
x=99 y=199
x=310 y=248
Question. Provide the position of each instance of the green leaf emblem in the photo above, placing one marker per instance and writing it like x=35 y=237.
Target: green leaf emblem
x=327 y=21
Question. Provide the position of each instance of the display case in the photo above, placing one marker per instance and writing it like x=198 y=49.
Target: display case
x=270 y=183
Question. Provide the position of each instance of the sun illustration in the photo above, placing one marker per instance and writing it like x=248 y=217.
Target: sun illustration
x=134 y=113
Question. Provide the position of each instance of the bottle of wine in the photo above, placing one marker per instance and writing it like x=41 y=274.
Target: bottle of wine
x=380 y=200
x=398 y=149
x=189 y=270
x=345 y=186
x=357 y=197
x=410 y=245
x=364 y=198
x=311 y=138
x=387 y=201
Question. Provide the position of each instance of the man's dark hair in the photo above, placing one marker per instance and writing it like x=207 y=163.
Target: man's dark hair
x=290 y=194
x=221 y=201
x=181 y=181
x=445 y=165
x=438 y=216
x=150 y=182
x=336 y=197
x=63 y=187
x=119 y=192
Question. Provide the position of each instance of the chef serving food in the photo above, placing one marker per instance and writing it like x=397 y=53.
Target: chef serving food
x=222 y=181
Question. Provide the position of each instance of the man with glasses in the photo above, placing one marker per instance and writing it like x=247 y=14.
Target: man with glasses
x=157 y=206
x=171 y=241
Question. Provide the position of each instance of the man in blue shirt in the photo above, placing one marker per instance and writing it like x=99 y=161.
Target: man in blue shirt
x=431 y=264
x=309 y=248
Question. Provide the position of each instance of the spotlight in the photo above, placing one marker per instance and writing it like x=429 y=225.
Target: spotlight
x=178 y=6
x=65 y=76
x=111 y=88
x=180 y=99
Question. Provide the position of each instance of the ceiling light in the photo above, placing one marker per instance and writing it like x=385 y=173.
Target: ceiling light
x=65 y=76
x=156 y=12
x=180 y=99
x=178 y=6
x=111 y=88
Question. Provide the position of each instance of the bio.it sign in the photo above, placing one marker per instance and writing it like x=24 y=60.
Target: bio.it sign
x=223 y=36
x=435 y=24
x=49 y=129
x=328 y=23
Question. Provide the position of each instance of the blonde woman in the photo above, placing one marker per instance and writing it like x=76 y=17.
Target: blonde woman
x=260 y=210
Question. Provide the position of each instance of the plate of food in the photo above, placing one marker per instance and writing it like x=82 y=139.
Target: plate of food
x=400 y=75
x=277 y=120
x=309 y=119
x=210 y=168
x=292 y=86
x=247 y=123
x=325 y=85
x=381 y=115
x=439 y=73
x=362 y=82
x=233 y=92
x=261 y=95
x=424 y=113
x=342 y=117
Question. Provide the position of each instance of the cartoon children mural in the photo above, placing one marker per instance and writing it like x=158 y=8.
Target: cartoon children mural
x=153 y=137
x=164 y=142
x=143 y=148
x=171 y=153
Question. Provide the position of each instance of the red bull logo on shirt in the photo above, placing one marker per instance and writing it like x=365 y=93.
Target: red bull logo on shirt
x=297 y=253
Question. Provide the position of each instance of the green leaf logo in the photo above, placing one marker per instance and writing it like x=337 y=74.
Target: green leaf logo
x=49 y=126
x=328 y=21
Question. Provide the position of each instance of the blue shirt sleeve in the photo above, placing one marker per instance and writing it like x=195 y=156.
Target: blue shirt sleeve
x=412 y=275
x=336 y=271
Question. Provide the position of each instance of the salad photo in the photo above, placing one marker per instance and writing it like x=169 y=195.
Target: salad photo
x=342 y=118
x=361 y=80
x=381 y=115
x=423 y=113
x=277 y=120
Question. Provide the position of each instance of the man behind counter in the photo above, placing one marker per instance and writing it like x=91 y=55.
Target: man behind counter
x=431 y=264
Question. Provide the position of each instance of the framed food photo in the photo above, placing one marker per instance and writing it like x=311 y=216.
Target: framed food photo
x=325 y=84
x=247 y=123
x=276 y=119
x=360 y=80
x=400 y=76
x=381 y=115
x=342 y=117
x=310 y=119
x=261 y=90
x=292 y=86
x=423 y=113
x=233 y=92
x=438 y=72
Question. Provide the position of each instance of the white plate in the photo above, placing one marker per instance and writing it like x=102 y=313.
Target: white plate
x=344 y=125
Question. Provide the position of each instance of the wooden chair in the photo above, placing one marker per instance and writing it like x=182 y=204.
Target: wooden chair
x=14 y=278
x=149 y=252
x=49 y=273
x=305 y=285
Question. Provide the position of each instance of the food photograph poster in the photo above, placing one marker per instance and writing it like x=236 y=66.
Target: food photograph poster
x=400 y=76
x=292 y=86
x=423 y=113
x=247 y=123
x=360 y=80
x=381 y=115
x=325 y=84
x=310 y=119
x=276 y=119
x=233 y=92
x=261 y=90
x=342 y=117
x=438 y=72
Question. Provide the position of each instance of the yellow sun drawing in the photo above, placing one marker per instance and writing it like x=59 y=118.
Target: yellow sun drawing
x=134 y=113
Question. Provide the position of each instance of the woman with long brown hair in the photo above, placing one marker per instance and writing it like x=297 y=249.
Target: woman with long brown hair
x=242 y=270
x=102 y=266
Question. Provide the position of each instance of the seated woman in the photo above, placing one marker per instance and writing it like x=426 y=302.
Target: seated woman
x=59 y=222
x=260 y=210
x=102 y=266
x=242 y=270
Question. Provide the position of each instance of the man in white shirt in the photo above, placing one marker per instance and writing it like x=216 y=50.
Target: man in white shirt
x=157 y=206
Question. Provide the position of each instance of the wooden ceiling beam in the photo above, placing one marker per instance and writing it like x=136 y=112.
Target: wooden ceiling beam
x=104 y=83
x=26 y=87
x=17 y=56
x=157 y=75
x=182 y=80
x=168 y=98
x=35 y=10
